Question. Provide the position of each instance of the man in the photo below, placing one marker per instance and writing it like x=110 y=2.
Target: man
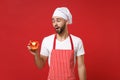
x=61 y=49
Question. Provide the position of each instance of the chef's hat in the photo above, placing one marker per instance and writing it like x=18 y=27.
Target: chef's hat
x=64 y=13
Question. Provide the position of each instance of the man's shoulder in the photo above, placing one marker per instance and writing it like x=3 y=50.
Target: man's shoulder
x=49 y=37
x=76 y=38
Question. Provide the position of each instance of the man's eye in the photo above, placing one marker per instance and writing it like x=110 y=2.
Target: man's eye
x=53 y=21
x=58 y=20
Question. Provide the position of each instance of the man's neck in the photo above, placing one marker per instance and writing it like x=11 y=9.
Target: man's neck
x=63 y=36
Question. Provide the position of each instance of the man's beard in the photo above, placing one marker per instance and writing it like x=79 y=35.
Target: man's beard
x=60 y=30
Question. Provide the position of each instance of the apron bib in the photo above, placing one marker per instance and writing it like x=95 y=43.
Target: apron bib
x=62 y=63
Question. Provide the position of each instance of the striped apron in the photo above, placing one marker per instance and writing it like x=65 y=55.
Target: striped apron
x=62 y=63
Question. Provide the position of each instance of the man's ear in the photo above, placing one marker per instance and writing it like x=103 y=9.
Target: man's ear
x=67 y=22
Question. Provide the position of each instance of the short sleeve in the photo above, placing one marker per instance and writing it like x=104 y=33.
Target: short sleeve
x=80 y=48
x=44 y=50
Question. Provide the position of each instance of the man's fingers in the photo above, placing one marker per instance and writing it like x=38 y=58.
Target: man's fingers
x=28 y=47
x=29 y=44
x=31 y=51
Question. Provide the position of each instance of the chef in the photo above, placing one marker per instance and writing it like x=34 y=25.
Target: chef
x=62 y=49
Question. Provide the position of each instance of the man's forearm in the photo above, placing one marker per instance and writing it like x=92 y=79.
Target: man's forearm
x=39 y=61
x=82 y=72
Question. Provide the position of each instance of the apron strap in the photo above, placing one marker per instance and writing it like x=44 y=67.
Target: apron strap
x=54 y=43
x=71 y=41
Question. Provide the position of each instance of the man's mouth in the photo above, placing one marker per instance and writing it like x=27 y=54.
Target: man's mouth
x=56 y=27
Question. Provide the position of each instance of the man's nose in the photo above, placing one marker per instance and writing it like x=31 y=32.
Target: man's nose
x=55 y=23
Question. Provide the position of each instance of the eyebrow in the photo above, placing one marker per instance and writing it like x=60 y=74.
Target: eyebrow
x=58 y=18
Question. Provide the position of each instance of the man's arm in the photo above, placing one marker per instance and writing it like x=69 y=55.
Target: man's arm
x=40 y=60
x=81 y=67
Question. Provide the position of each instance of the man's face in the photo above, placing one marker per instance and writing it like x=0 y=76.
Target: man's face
x=59 y=24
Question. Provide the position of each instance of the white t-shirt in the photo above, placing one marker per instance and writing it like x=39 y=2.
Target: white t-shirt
x=47 y=46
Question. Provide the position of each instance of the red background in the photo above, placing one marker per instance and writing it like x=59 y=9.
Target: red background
x=95 y=21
